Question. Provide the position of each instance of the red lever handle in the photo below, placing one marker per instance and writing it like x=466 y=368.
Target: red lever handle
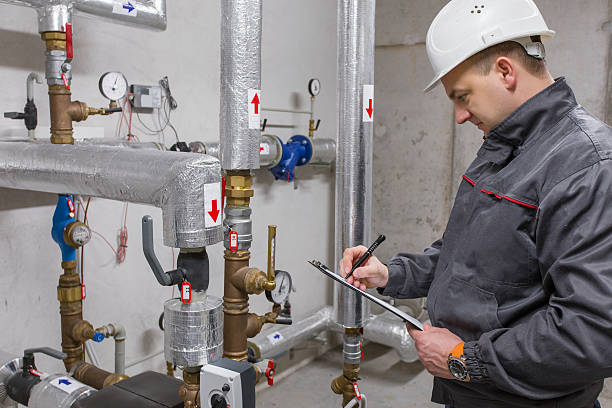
x=270 y=373
x=69 y=49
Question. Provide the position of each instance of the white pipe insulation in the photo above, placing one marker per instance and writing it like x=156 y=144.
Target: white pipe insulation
x=54 y=14
x=175 y=182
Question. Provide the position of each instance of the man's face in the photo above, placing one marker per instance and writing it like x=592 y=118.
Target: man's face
x=480 y=99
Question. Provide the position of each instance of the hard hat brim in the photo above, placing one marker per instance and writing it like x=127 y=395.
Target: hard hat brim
x=546 y=35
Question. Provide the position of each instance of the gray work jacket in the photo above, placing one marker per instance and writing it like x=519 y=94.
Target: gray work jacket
x=523 y=273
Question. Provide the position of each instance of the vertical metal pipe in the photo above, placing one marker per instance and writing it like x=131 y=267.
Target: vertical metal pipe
x=240 y=72
x=354 y=146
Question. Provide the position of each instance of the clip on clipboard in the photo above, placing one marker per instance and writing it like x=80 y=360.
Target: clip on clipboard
x=404 y=316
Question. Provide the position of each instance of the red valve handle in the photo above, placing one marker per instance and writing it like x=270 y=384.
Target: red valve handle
x=69 y=49
x=270 y=373
x=357 y=393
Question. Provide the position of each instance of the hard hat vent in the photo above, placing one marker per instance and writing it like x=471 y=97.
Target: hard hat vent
x=477 y=9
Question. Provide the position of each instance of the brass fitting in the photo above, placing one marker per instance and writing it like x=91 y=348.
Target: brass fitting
x=71 y=312
x=255 y=322
x=311 y=128
x=54 y=40
x=82 y=331
x=96 y=377
x=344 y=383
x=170 y=369
x=189 y=391
x=252 y=281
x=238 y=188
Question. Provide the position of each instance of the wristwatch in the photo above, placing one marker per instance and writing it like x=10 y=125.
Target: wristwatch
x=456 y=364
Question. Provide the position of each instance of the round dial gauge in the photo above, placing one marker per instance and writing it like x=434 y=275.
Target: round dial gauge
x=314 y=86
x=283 y=288
x=113 y=85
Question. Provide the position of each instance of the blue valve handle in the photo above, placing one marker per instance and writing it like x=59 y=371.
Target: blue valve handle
x=98 y=337
x=296 y=152
x=62 y=217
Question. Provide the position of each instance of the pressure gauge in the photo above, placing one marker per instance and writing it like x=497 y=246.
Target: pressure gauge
x=113 y=85
x=283 y=288
x=314 y=86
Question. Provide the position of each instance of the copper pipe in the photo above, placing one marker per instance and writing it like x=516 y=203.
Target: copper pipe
x=71 y=311
x=189 y=391
x=235 y=307
x=95 y=377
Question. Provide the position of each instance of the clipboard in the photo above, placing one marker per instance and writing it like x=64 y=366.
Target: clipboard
x=399 y=313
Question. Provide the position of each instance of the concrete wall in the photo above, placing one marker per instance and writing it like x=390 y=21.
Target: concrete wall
x=296 y=47
x=420 y=154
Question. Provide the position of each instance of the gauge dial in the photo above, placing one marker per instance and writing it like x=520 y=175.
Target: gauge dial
x=113 y=85
x=314 y=87
x=283 y=288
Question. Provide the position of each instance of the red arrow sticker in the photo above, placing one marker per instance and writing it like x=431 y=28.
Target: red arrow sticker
x=83 y=292
x=368 y=103
x=233 y=241
x=254 y=100
x=213 y=207
x=69 y=48
x=186 y=292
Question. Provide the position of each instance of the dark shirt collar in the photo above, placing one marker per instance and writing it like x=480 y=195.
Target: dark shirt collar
x=538 y=114
x=535 y=116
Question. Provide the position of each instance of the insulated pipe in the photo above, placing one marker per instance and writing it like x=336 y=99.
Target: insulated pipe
x=388 y=330
x=271 y=150
x=54 y=14
x=291 y=336
x=175 y=182
x=354 y=146
x=240 y=77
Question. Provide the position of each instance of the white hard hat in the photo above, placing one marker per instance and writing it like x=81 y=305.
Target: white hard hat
x=465 y=27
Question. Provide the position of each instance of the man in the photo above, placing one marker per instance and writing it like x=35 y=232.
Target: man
x=519 y=289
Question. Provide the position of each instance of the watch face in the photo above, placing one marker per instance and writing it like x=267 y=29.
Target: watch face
x=457 y=369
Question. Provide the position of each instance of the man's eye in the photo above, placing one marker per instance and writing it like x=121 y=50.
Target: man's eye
x=462 y=98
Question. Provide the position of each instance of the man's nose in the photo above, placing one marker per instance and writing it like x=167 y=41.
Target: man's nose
x=462 y=115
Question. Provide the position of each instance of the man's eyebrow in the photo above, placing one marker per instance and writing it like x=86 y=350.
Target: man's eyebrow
x=454 y=92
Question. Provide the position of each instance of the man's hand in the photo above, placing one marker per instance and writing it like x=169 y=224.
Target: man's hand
x=372 y=274
x=434 y=345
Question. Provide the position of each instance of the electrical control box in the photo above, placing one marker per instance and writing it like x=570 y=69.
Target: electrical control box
x=146 y=96
x=227 y=383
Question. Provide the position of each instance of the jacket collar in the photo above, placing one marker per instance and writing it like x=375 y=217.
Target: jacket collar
x=535 y=116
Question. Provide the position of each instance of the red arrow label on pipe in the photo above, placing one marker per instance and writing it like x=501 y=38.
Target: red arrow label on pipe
x=255 y=102
x=215 y=212
x=370 y=109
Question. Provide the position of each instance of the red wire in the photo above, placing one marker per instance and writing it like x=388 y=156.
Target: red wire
x=123 y=237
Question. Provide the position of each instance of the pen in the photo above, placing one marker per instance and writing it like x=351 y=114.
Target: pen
x=366 y=255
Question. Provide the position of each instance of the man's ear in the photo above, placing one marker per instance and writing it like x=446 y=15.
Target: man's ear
x=505 y=69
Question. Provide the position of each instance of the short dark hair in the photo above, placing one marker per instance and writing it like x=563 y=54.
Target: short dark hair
x=484 y=60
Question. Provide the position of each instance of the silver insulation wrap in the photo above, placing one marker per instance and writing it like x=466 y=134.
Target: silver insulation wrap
x=240 y=71
x=9 y=365
x=173 y=181
x=270 y=150
x=193 y=333
x=266 y=346
x=47 y=395
x=323 y=151
x=354 y=146
x=390 y=330
x=54 y=14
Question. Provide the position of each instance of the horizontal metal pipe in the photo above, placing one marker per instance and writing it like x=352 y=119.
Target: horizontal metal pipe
x=291 y=336
x=174 y=182
x=54 y=14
